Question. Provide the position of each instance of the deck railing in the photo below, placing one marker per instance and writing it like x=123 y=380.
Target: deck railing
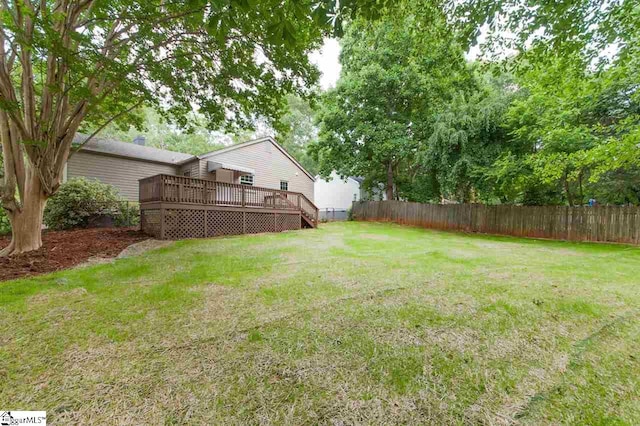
x=186 y=190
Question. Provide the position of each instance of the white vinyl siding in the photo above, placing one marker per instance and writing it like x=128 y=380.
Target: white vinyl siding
x=336 y=193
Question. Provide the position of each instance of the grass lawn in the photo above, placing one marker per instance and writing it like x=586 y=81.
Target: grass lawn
x=350 y=323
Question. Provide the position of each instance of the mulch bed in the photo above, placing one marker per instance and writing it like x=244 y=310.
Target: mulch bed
x=64 y=249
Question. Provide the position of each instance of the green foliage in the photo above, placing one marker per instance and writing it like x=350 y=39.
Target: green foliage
x=557 y=124
x=395 y=76
x=588 y=29
x=297 y=131
x=581 y=129
x=230 y=61
x=161 y=134
x=128 y=214
x=5 y=225
x=79 y=200
x=467 y=137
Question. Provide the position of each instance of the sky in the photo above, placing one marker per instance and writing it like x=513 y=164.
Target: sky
x=326 y=58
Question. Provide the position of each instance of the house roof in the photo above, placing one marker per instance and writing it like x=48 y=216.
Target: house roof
x=147 y=153
x=252 y=142
x=334 y=174
x=130 y=150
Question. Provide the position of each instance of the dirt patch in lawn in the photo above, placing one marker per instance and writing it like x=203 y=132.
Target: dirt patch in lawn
x=64 y=249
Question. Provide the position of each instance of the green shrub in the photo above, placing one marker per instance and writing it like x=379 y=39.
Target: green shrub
x=129 y=214
x=350 y=214
x=80 y=200
x=5 y=226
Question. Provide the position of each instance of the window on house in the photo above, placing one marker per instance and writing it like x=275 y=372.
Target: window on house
x=186 y=173
x=284 y=185
x=246 y=180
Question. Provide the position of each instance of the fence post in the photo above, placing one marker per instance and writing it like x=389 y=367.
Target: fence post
x=243 y=196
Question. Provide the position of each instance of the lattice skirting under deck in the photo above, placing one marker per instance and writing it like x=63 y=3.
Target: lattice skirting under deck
x=150 y=222
x=176 y=223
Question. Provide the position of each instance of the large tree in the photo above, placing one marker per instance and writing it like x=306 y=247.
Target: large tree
x=468 y=135
x=581 y=127
x=67 y=65
x=395 y=73
x=575 y=57
x=297 y=130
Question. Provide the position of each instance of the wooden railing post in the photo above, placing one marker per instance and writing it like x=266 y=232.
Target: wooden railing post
x=161 y=187
x=243 y=196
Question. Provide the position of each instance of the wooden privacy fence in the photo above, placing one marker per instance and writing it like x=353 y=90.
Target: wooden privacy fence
x=618 y=224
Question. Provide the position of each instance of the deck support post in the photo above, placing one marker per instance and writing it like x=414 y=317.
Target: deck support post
x=205 y=223
x=244 y=222
x=162 y=225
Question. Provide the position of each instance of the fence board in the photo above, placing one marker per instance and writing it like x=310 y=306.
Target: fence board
x=601 y=223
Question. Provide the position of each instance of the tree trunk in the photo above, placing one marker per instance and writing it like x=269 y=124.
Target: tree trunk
x=26 y=224
x=567 y=191
x=389 y=188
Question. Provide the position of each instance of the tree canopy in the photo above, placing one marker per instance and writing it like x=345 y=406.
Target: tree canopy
x=395 y=74
x=555 y=123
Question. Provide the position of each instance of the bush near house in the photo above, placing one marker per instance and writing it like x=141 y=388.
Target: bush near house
x=82 y=203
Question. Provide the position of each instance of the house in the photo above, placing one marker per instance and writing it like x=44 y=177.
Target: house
x=336 y=193
x=261 y=162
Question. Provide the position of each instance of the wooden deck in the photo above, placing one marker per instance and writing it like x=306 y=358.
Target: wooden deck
x=176 y=207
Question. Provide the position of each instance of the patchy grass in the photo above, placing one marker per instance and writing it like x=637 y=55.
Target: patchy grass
x=351 y=323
